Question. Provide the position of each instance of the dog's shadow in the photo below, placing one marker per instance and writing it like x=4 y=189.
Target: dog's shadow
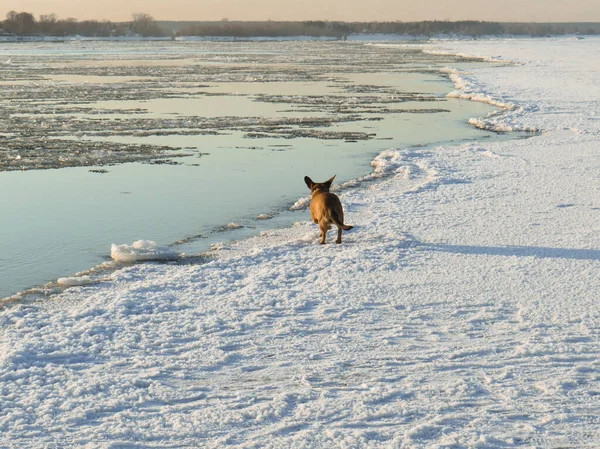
x=540 y=252
x=517 y=251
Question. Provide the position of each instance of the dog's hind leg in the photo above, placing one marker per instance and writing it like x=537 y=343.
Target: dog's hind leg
x=323 y=227
x=339 y=238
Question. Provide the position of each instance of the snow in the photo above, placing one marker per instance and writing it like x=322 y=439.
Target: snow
x=461 y=311
x=482 y=57
x=142 y=250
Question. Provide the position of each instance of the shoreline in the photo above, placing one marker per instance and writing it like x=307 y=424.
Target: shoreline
x=366 y=37
x=383 y=165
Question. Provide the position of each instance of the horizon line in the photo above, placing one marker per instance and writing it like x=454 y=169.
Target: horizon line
x=304 y=20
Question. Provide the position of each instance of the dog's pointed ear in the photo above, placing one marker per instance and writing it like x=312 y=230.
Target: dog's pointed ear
x=329 y=181
x=309 y=182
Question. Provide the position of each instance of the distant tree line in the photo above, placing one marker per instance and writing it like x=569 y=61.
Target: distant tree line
x=340 y=29
x=25 y=24
x=267 y=29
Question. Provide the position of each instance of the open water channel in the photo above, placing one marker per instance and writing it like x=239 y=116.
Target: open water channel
x=191 y=143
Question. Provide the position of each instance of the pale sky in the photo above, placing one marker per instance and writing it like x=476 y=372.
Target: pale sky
x=346 y=10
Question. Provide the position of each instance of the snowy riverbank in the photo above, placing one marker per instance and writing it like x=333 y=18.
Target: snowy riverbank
x=462 y=310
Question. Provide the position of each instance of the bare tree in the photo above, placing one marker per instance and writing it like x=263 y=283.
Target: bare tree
x=47 y=23
x=144 y=24
x=21 y=23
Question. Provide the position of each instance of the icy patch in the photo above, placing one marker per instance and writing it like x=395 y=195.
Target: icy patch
x=408 y=164
x=13 y=298
x=402 y=163
x=302 y=203
x=309 y=237
x=142 y=250
x=466 y=91
x=501 y=121
x=387 y=162
x=504 y=126
x=464 y=55
x=75 y=281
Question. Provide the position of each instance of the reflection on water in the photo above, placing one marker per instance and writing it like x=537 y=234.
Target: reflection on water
x=238 y=111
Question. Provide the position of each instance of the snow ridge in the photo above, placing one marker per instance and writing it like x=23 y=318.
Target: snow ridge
x=504 y=120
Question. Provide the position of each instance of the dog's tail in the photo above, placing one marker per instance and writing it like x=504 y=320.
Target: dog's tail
x=338 y=223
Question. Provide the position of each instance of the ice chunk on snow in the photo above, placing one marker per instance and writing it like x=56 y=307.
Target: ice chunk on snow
x=302 y=203
x=387 y=162
x=308 y=238
x=73 y=281
x=142 y=250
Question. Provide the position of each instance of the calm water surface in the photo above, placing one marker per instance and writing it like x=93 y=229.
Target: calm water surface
x=61 y=221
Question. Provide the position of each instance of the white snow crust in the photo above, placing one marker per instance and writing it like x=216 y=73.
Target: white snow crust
x=142 y=250
x=462 y=311
x=74 y=280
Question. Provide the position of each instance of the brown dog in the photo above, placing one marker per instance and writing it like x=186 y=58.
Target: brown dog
x=325 y=208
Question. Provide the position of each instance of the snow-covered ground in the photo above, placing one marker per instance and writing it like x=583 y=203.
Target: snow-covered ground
x=462 y=311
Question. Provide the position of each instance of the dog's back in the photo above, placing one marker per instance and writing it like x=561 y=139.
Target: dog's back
x=328 y=206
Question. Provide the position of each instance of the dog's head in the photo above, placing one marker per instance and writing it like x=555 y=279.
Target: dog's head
x=319 y=186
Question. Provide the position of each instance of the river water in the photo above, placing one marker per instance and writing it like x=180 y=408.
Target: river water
x=112 y=142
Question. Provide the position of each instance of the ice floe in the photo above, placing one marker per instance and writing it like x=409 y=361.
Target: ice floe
x=142 y=250
x=75 y=281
